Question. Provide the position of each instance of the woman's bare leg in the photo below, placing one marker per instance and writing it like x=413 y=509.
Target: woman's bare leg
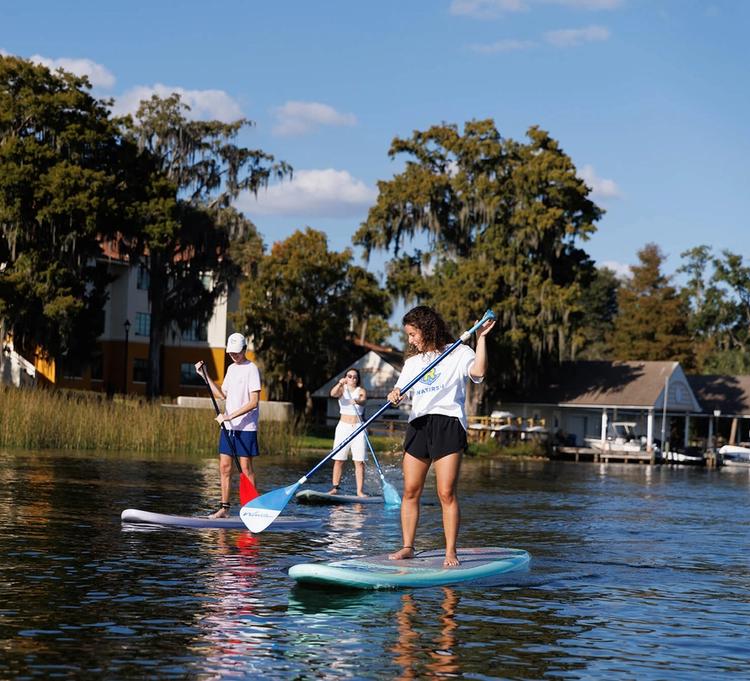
x=338 y=467
x=446 y=472
x=359 y=474
x=415 y=473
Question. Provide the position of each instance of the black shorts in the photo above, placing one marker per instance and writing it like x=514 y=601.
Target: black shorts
x=433 y=436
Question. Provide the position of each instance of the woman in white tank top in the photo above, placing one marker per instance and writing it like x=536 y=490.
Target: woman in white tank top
x=352 y=398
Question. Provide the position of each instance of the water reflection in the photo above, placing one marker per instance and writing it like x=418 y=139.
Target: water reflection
x=411 y=645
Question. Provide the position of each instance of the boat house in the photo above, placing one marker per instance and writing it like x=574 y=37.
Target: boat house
x=585 y=399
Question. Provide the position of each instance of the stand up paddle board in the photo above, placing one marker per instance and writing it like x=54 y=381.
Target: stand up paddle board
x=313 y=496
x=425 y=569
x=133 y=515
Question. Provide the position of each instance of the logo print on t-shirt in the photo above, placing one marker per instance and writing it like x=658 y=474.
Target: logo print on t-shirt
x=430 y=377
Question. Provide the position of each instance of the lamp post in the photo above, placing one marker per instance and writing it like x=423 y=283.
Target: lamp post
x=125 y=365
x=717 y=414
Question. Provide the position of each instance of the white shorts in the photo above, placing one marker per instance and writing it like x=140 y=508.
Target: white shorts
x=357 y=445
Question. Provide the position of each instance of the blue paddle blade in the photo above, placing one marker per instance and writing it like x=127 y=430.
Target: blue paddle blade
x=390 y=495
x=259 y=513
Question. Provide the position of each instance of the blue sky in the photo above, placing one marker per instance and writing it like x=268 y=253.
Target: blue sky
x=650 y=98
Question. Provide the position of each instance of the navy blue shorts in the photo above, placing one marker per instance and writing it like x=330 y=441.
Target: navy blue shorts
x=434 y=436
x=245 y=442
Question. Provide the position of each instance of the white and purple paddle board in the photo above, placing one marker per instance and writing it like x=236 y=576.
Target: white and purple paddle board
x=425 y=569
x=136 y=516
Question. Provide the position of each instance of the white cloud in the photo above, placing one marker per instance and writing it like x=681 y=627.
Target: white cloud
x=98 y=75
x=298 y=118
x=620 y=269
x=576 y=36
x=502 y=46
x=312 y=193
x=490 y=9
x=600 y=187
x=204 y=104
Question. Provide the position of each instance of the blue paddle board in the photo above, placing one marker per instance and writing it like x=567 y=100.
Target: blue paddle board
x=313 y=496
x=134 y=515
x=425 y=569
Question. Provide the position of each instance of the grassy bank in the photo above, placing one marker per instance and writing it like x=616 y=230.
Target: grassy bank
x=56 y=419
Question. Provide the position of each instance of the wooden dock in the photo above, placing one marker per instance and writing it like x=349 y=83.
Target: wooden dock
x=602 y=456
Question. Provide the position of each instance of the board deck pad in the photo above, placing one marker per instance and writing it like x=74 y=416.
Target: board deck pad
x=136 y=516
x=313 y=496
x=425 y=569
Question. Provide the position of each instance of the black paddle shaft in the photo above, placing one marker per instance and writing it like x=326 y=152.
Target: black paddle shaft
x=232 y=446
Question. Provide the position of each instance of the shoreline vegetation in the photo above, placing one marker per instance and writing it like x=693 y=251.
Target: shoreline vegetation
x=41 y=418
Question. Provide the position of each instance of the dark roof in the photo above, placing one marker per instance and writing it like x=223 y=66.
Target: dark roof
x=388 y=354
x=602 y=383
x=729 y=394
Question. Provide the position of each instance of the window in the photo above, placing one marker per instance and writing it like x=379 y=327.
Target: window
x=189 y=376
x=97 y=366
x=196 y=332
x=140 y=370
x=71 y=368
x=142 y=324
x=143 y=279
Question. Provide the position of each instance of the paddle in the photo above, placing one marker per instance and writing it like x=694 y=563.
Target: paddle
x=247 y=489
x=259 y=513
x=390 y=495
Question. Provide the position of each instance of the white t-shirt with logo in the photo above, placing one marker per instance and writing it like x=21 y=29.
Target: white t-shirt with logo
x=443 y=389
x=240 y=381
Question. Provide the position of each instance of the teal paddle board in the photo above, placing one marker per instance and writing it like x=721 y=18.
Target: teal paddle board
x=313 y=496
x=425 y=569
x=136 y=516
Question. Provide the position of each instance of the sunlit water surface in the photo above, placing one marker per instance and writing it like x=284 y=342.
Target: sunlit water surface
x=636 y=572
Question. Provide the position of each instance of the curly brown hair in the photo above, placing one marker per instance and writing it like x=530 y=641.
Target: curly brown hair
x=433 y=327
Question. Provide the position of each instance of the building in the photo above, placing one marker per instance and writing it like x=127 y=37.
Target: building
x=584 y=398
x=119 y=364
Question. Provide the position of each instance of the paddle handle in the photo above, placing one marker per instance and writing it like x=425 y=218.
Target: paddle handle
x=465 y=336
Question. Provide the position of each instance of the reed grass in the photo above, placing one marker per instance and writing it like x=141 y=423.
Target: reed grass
x=64 y=419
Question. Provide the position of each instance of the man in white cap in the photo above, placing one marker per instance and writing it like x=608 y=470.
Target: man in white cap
x=241 y=390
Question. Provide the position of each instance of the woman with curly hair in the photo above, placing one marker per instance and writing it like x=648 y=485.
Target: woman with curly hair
x=437 y=424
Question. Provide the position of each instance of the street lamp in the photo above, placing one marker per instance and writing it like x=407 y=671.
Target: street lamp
x=125 y=365
x=717 y=414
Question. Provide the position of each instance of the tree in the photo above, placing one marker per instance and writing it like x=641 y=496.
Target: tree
x=502 y=219
x=61 y=172
x=300 y=305
x=599 y=304
x=186 y=222
x=718 y=295
x=651 y=322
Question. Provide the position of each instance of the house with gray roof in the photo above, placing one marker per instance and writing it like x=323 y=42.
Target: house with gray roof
x=583 y=398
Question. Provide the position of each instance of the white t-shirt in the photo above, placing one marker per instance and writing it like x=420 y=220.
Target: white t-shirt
x=347 y=405
x=443 y=389
x=240 y=381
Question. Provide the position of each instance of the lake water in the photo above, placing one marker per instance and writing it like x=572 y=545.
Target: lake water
x=637 y=572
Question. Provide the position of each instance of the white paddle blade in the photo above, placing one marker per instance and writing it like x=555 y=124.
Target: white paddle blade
x=259 y=513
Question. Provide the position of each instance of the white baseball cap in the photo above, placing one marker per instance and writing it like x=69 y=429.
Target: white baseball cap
x=236 y=343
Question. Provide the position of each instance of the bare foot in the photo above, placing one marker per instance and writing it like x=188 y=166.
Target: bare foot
x=362 y=494
x=451 y=560
x=334 y=490
x=221 y=513
x=402 y=554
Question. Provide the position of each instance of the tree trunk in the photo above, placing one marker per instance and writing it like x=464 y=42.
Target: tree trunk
x=474 y=398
